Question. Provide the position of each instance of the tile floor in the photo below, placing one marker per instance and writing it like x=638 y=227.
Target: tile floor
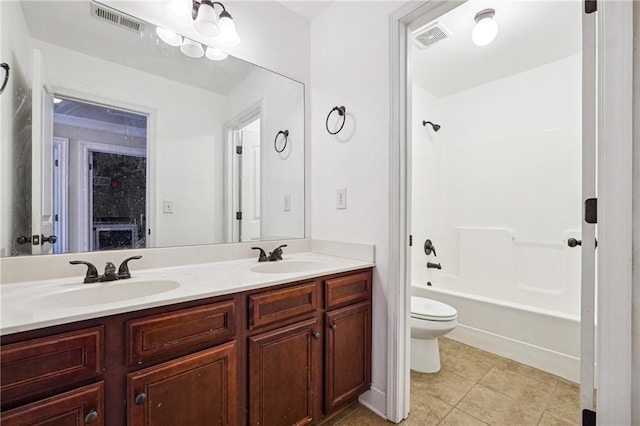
x=475 y=387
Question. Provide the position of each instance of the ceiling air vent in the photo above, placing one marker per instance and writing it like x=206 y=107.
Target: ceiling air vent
x=430 y=34
x=106 y=14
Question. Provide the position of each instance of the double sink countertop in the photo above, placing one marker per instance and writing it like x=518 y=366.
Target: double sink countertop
x=37 y=304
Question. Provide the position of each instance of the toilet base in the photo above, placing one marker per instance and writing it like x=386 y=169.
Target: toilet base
x=425 y=355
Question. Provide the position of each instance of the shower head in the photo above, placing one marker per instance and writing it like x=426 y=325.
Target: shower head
x=435 y=127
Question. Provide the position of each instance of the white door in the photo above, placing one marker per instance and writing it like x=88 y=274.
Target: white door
x=250 y=183
x=41 y=161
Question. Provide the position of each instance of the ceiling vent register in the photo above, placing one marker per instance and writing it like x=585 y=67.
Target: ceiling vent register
x=106 y=14
x=429 y=35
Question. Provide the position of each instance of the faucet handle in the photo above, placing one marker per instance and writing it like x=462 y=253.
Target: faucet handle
x=123 y=270
x=92 y=273
x=263 y=255
x=428 y=248
x=276 y=254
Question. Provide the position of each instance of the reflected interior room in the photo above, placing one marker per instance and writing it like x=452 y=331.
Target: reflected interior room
x=319 y=212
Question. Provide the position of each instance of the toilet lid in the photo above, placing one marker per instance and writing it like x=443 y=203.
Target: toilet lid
x=431 y=310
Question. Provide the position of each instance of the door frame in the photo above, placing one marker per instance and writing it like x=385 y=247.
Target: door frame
x=62 y=198
x=232 y=171
x=615 y=36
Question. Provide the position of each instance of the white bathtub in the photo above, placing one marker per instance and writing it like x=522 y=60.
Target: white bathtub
x=542 y=338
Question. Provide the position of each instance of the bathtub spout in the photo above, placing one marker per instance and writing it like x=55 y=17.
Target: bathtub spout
x=431 y=265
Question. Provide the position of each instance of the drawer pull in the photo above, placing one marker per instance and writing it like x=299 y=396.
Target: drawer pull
x=92 y=416
x=315 y=334
x=141 y=398
x=334 y=326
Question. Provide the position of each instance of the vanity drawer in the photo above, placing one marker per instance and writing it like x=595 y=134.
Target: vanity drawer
x=38 y=366
x=273 y=306
x=346 y=290
x=156 y=337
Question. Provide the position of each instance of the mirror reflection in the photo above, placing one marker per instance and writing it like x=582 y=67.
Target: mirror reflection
x=113 y=139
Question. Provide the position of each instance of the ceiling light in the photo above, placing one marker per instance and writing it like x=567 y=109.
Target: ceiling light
x=169 y=37
x=486 y=28
x=216 y=54
x=228 y=35
x=206 y=21
x=191 y=48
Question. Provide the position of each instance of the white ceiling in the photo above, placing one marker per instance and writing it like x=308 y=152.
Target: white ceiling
x=69 y=24
x=530 y=34
x=308 y=9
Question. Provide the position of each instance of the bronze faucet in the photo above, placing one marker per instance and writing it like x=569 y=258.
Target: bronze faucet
x=109 y=271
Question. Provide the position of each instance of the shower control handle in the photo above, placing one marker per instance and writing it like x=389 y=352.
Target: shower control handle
x=429 y=248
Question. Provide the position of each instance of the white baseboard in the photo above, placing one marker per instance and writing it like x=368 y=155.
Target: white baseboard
x=375 y=400
x=557 y=363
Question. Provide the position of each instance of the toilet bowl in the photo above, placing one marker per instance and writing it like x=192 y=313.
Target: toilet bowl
x=430 y=319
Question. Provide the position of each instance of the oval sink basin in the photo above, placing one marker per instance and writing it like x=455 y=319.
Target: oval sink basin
x=288 y=266
x=99 y=294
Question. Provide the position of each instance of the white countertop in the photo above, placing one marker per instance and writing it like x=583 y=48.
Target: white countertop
x=38 y=304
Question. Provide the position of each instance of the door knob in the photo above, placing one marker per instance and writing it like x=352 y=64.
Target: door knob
x=572 y=242
x=141 y=398
x=315 y=334
x=51 y=239
x=92 y=416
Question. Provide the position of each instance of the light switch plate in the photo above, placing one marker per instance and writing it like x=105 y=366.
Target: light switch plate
x=287 y=203
x=341 y=198
x=167 y=206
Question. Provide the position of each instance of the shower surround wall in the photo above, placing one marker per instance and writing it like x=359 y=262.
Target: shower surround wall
x=498 y=191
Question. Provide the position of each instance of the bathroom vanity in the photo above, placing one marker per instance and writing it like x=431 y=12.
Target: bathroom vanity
x=279 y=351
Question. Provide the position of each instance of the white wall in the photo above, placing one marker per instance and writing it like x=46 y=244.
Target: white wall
x=186 y=143
x=15 y=146
x=350 y=67
x=635 y=366
x=498 y=188
x=282 y=102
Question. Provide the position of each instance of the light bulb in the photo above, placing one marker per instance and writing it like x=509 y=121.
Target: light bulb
x=169 y=37
x=191 y=48
x=216 y=54
x=207 y=22
x=228 y=35
x=486 y=28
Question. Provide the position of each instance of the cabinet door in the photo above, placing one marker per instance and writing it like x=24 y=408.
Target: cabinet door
x=198 y=389
x=74 y=408
x=347 y=354
x=283 y=375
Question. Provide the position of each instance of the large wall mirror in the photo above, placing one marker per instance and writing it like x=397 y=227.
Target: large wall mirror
x=112 y=139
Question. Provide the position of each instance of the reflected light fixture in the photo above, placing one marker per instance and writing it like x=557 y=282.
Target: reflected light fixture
x=486 y=27
x=191 y=48
x=169 y=37
x=216 y=54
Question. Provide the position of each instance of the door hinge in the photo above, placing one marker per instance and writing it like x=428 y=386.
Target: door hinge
x=149 y=231
x=588 y=418
x=56 y=218
x=57 y=163
x=239 y=149
x=591 y=210
x=90 y=166
x=410 y=240
x=238 y=215
x=590 y=6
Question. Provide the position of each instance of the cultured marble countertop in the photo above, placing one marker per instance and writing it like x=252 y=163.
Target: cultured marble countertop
x=38 y=304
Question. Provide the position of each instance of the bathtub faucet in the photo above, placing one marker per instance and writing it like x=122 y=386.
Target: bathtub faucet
x=429 y=248
x=432 y=265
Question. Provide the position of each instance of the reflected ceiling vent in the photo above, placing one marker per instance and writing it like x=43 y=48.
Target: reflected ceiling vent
x=106 y=14
x=430 y=34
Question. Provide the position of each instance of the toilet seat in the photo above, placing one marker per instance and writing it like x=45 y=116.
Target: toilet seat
x=431 y=310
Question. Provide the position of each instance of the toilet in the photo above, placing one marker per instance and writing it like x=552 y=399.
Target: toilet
x=430 y=319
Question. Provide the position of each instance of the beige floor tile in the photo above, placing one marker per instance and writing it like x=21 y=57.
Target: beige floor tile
x=444 y=385
x=460 y=418
x=498 y=409
x=551 y=420
x=525 y=390
x=565 y=401
x=465 y=361
x=426 y=410
x=363 y=417
x=527 y=371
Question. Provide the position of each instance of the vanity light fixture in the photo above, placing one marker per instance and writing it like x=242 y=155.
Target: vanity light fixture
x=486 y=27
x=206 y=20
x=216 y=54
x=169 y=37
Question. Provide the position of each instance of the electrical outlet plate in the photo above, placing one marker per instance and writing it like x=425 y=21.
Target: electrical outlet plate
x=167 y=206
x=341 y=199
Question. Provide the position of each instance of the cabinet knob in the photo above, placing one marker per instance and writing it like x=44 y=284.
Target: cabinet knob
x=315 y=334
x=92 y=416
x=141 y=398
x=334 y=326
